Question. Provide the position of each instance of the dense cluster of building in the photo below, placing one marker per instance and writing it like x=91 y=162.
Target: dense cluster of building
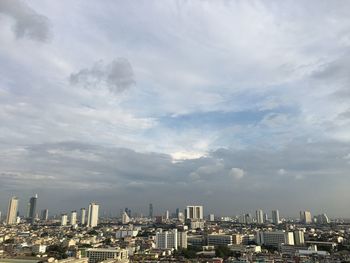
x=183 y=236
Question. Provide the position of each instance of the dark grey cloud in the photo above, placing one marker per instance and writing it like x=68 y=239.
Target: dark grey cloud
x=27 y=22
x=116 y=76
x=118 y=177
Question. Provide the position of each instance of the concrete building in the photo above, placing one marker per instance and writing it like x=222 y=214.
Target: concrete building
x=211 y=217
x=274 y=238
x=194 y=212
x=82 y=216
x=12 y=211
x=305 y=217
x=150 y=212
x=64 y=219
x=44 y=214
x=32 y=208
x=276 y=217
x=39 y=249
x=171 y=239
x=125 y=218
x=73 y=218
x=96 y=255
x=259 y=216
x=322 y=219
x=299 y=239
x=92 y=215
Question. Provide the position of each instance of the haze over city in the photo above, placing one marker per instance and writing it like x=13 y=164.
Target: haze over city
x=233 y=105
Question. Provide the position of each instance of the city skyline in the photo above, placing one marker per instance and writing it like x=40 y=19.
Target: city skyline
x=234 y=105
x=188 y=211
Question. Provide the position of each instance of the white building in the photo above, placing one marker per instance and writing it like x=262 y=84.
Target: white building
x=171 y=239
x=259 y=216
x=211 y=217
x=305 y=217
x=125 y=218
x=96 y=255
x=299 y=239
x=274 y=238
x=93 y=215
x=39 y=249
x=322 y=219
x=194 y=212
x=73 y=218
x=82 y=216
x=12 y=211
x=64 y=219
x=276 y=217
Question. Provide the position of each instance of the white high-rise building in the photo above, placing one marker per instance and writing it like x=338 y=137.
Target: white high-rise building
x=82 y=216
x=64 y=219
x=322 y=219
x=125 y=218
x=167 y=215
x=73 y=218
x=12 y=211
x=299 y=239
x=276 y=217
x=171 y=239
x=93 y=215
x=259 y=216
x=194 y=212
x=305 y=217
x=211 y=217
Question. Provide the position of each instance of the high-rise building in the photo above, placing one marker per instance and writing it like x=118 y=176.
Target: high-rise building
x=93 y=215
x=44 y=214
x=211 y=217
x=166 y=215
x=299 y=239
x=64 y=219
x=73 y=218
x=150 y=212
x=275 y=217
x=125 y=218
x=259 y=216
x=305 y=217
x=171 y=239
x=82 y=216
x=322 y=219
x=32 y=208
x=12 y=211
x=194 y=212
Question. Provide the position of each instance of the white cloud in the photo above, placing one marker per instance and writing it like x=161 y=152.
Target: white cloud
x=237 y=173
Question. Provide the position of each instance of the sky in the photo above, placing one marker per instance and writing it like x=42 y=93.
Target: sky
x=233 y=105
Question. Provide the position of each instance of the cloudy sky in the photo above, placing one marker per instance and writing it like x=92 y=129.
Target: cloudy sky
x=236 y=105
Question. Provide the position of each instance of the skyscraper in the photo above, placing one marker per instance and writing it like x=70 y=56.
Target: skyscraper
x=275 y=217
x=64 y=219
x=12 y=211
x=44 y=214
x=82 y=216
x=93 y=215
x=32 y=208
x=194 y=212
x=259 y=216
x=305 y=217
x=150 y=214
x=73 y=218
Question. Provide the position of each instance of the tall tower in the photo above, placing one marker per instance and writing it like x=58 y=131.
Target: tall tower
x=12 y=211
x=73 y=218
x=150 y=214
x=64 y=219
x=275 y=217
x=32 y=208
x=92 y=215
x=194 y=212
x=82 y=216
x=259 y=216
x=45 y=214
